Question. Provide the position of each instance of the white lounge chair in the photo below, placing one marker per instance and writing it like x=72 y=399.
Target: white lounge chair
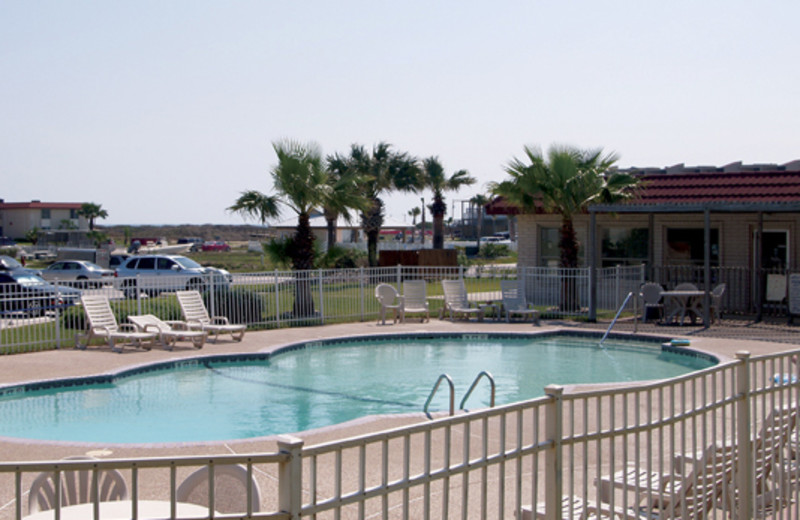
x=389 y=301
x=515 y=303
x=574 y=508
x=197 y=318
x=456 y=301
x=103 y=324
x=415 y=300
x=169 y=332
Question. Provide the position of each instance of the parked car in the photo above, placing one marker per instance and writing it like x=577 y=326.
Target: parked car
x=11 y=264
x=216 y=246
x=5 y=241
x=115 y=261
x=78 y=270
x=154 y=274
x=196 y=242
x=32 y=295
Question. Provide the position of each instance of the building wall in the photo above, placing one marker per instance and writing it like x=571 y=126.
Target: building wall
x=17 y=222
x=736 y=232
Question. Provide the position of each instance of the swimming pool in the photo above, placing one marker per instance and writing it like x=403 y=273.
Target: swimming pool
x=317 y=384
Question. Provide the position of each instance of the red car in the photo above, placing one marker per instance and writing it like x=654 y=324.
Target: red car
x=216 y=246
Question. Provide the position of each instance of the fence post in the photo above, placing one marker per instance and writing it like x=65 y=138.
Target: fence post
x=138 y=296
x=58 y=316
x=277 y=300
x=617 y=285
x=398 y=276
x=321 y=298
x=553 y=461
x=361 y=290
x=290 y=476
x=211 y=299
x=744 y=474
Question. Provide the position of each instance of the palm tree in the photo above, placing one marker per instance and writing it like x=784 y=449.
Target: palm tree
x=343 y=197
x=566 y=183
x=433 y=177
x=300 y=181
x=383 y=170
x=414 y=213
x=92 y=211
x=479 y=201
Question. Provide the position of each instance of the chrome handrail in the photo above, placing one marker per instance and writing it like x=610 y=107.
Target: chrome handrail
x=614 y=321
x=474 y=384
x=433 y=392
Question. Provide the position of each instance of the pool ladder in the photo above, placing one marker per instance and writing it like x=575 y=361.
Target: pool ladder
x=445 y=377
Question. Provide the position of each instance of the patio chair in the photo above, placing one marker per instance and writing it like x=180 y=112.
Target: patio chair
x=77 y=487
x=169 y=332
x=415 y=300
x=197 y=318
x=102 y=323
x=575 y=508
x=651 y=299
x=689 y=495
x=231 y=488
x=389 y=300
x=716 y=302
x=515 y=303
x=456 y=301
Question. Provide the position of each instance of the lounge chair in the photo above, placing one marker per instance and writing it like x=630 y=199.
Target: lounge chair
x=515 y=303
x=690 y=495
x=415 y=300
x=388 y=300
x=169 y=332
x=456 y=301
x=575 y=508
x=231 y=488
x=76 y=488
x=196 y=317
x=103 y=324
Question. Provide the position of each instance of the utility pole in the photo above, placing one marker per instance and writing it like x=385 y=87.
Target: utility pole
x=423 y=220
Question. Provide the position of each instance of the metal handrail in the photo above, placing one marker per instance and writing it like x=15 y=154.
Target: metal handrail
x=433 y=392
x=474 y=384
x=614 y=321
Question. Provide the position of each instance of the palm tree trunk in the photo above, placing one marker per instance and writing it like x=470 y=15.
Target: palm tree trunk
x=302 y=259
x=438 y=209
x=371 y=221
x=568 y=244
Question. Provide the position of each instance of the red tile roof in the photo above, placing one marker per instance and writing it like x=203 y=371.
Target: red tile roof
x=741 y=187
x=40 y=205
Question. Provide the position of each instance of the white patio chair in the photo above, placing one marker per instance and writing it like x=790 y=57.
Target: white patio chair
x=651 y=299
x=197 y=318
x=169 y=332
x=101 y=323
x=456 y=301
x=231 y=487
x=716 y=302
x=389 y=300
x=515 y=303
x=415 y=300
x=77 y=487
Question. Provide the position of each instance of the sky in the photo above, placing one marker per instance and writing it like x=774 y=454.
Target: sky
x=164 y=112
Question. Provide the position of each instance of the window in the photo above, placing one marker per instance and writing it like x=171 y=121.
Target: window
x=548 y=247
x=624 y=246
x=685 y=246
x=549 y=250
x=146 y=263
x=73 y=213
x=45 y=213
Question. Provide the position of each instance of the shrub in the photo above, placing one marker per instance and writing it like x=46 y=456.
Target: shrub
x=239 y=305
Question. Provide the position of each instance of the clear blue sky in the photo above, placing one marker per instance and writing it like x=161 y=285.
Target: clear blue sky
x=164 y=111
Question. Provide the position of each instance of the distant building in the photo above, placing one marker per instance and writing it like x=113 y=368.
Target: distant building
x=753 y=213
x=17 y=218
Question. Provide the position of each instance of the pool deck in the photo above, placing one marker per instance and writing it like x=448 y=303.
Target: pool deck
x=723 y=340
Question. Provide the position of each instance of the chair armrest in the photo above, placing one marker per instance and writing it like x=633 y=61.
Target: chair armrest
x=177 y=324
x=194 y=324
x=128 y=327
x=220 y=320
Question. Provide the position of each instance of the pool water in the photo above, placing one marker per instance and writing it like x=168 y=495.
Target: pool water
x=322 y=385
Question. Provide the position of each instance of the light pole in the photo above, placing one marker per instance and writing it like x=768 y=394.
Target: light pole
x=423 y=221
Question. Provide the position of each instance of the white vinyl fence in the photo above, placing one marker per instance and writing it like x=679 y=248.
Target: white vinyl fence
x=721 y=443
x=288 y=298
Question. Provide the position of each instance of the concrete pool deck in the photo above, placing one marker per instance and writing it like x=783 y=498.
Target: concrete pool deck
x=723 y=340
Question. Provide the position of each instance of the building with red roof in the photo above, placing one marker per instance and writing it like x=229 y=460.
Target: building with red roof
x=17 y=218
